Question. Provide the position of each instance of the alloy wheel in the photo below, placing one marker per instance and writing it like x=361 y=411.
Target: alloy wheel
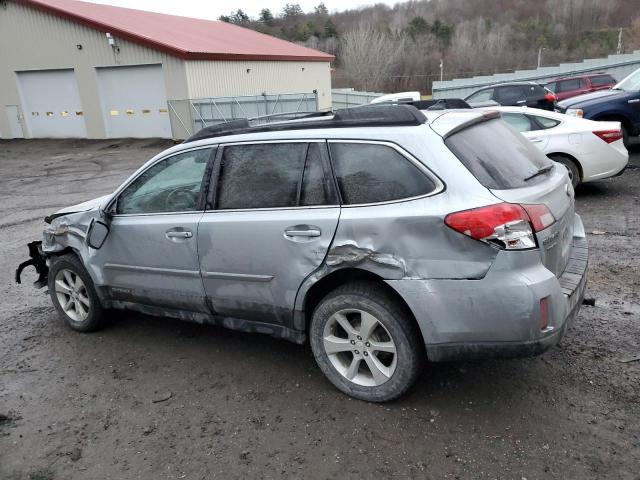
x=359 y=347
x=72 y=295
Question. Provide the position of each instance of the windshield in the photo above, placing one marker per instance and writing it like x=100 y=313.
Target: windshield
x=631 y=83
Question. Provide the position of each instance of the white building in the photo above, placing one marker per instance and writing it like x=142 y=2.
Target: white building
x=76 y=69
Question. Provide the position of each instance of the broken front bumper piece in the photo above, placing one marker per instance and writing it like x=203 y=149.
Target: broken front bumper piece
x=39 y=263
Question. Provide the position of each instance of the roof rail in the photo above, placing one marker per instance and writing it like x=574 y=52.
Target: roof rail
x=367 y=116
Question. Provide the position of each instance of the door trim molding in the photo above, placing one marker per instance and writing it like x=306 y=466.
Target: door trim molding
x=157 y=270
x=238 y=276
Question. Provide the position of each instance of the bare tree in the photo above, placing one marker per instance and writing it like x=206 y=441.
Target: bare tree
x=369 y=56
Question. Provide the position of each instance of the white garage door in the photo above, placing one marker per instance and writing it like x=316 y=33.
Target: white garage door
x=134 y=101
x=51 y=104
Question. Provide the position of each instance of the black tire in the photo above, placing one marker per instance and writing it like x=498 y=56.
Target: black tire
x=574 y=171
x=625 y=136
x=396 y=322
x=95 y=312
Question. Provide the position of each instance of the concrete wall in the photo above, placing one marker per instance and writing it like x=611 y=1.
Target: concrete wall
x=33 y=40
x=617 y=65
x=226 y=78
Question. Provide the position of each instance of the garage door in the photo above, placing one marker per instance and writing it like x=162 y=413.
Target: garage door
x=134 y=101
x=51 y=104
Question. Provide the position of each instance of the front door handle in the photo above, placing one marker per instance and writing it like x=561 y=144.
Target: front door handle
x=635 y=100
x=178 y=234
x=303 y=231
x=535 y=140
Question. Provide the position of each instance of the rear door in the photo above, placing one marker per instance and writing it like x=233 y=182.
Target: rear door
x=516 y=172
x=273 y=217
x=528 y=127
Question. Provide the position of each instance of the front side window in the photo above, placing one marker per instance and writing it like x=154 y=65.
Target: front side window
x=552 y=87
x=171 y=185
x=602 y=80
x=373 y=173
x=482 y=96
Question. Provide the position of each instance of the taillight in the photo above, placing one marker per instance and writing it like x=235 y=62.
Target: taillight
x=609 y=136
x=509 y=226
x=550 y=97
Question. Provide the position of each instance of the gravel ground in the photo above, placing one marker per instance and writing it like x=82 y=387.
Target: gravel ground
x=160 y=399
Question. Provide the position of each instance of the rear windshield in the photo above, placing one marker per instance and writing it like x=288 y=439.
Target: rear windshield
x=498 y=156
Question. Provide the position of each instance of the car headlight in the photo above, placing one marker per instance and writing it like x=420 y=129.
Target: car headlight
x=575 y=112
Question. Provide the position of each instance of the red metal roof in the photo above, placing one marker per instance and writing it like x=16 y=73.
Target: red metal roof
x=188 y=38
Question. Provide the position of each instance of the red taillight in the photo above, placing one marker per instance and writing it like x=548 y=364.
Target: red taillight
x=540 y=216
x=507 y=225
x=544 y=313
x=609 y=136
x=550 y=97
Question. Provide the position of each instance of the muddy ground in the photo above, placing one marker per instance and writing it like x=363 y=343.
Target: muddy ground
x=154 y=398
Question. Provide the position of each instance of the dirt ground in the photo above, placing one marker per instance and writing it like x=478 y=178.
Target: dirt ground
x=154 y=398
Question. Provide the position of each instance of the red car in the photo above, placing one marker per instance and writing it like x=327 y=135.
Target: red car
x=568 y=87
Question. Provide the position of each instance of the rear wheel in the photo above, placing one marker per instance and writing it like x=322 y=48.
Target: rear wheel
x=73 y=294
x=365 y=343
x=574 y=172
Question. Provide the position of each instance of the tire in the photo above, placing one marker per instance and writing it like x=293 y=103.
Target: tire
x=350 y=352
x=574 y=172
x=76 y=300
x=625 y=136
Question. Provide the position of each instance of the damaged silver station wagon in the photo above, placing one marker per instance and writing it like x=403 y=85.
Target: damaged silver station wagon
x=380 y=237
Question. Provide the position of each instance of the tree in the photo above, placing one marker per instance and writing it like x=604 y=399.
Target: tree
x=329 y=29
x=321 y=9
x=239 y=17
x=266 y=16
x=417 y=26
x=292 y=10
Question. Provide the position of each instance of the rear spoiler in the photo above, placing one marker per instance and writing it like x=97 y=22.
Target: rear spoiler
x=485 y=117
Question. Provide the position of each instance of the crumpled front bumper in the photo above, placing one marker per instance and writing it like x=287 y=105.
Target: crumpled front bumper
x=38 y=261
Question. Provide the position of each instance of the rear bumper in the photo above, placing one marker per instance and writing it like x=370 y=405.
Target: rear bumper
x=499 y=315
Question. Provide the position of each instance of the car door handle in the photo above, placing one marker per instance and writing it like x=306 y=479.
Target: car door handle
x=179 y=234
x=535 y=140
x=520 y=102
x=302 y=231
x=635 y=100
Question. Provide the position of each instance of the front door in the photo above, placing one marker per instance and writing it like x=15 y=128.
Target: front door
x=150 y=256
x=275 y=213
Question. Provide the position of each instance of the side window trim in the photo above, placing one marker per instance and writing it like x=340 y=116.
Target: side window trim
x=439 y=184
x=112 y=205
x=332 y=191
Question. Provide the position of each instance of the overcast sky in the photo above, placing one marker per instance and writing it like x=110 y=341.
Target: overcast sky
x=212 y=9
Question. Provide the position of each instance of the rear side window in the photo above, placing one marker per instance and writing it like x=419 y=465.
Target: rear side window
x=499 y=157
x=373 y=173
x=546 y=122
x=602 y=80
x=519 y=121
x=265 y=175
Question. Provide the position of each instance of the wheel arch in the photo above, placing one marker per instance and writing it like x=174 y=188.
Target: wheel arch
x=327 y=283
x=570 y=157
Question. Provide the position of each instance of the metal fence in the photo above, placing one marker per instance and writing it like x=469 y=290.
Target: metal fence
x=190 y=115
x=619 y=66
x=348 y=97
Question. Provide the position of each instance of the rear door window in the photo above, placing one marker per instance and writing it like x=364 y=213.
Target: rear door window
x=373 y=173
x=569 y=85
x=499 y=157
x=519 y=121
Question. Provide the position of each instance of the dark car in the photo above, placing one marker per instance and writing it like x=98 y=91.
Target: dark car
x=568 y=87
x=619 y=104
x=522 y=94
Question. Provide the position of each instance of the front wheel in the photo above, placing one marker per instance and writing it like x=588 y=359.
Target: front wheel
x=73 y=294
x=365 y=343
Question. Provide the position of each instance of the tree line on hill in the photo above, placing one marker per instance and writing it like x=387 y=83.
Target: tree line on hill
x=386 y=49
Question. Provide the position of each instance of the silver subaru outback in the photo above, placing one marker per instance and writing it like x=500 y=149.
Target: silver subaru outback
x=380 y=237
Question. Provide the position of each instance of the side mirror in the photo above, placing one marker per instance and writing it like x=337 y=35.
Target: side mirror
x=97 y=234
